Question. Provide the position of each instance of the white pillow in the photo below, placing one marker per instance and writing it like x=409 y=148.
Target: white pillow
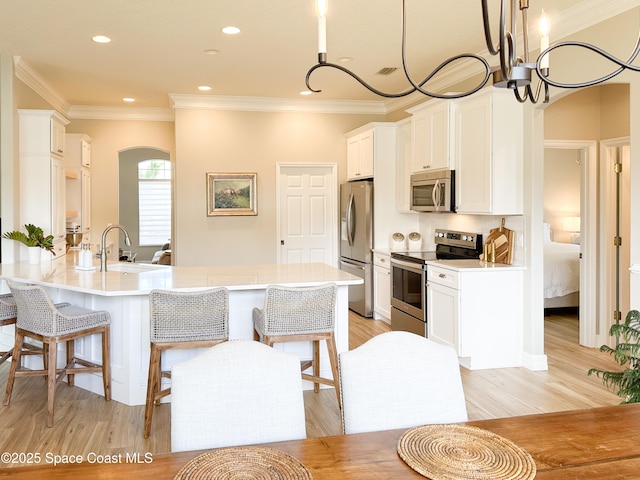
x=547 y=232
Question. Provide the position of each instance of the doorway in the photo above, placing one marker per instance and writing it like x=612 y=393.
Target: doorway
x=583 y=205
x=130 y=214
x=307 y=213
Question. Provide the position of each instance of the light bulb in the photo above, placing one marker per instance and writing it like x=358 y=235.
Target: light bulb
x=543 y=28
x=321 y=7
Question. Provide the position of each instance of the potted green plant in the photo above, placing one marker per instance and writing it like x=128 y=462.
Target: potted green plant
x=627 y=354
x=34 y=238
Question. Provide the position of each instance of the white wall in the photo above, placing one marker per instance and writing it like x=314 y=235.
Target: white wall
x=561 y=189
x=234 y=141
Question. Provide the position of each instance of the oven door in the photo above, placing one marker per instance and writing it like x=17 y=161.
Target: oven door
x=408 y=288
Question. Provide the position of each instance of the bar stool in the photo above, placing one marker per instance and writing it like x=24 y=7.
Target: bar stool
x=8 y=314
x=40 y=319
x=182 y=320
x=294 y=314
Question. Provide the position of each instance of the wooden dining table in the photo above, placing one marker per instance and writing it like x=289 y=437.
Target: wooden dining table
x=600 y=443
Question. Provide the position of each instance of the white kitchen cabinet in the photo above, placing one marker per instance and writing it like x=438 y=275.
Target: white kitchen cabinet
x=403 y=166
x=432 y=133
x=361 y=153
x=42 y=178
x=443 y=307
x=489 y=153
x=78 y=183
x=57 y=136
x=382 y=286
x=477 y=311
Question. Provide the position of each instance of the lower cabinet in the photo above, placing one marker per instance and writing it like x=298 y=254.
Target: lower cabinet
x=477 y=311
x=442 y=305
x=382 y=287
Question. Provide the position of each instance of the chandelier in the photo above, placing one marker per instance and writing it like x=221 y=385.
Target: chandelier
x=514 y=72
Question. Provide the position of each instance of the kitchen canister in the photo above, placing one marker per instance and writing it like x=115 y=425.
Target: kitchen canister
x=415 y=241
x=397 y=242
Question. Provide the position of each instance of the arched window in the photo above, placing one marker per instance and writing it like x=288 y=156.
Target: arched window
x=154 y=201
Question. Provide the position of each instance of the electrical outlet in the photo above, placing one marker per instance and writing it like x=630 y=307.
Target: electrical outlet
x=519 y=239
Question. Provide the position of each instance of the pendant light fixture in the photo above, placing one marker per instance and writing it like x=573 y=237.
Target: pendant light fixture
x=514 y=71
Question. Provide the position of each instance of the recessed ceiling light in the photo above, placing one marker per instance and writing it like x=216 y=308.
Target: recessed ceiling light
x=211 y=51
x=101 y=39
x=306 y=92
x=128 y=99
x=230 y=30
x=345 y=59
x=204 y=88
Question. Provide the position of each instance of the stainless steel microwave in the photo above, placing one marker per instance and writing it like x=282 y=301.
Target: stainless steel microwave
x=433 y=191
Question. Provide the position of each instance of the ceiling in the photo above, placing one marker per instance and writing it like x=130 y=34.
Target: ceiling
x=158 y=46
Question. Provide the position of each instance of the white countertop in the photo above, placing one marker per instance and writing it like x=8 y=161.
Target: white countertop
x=60 y=273
x=471 y=265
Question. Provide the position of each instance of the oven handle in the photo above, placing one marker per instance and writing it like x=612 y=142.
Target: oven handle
x=411 y=266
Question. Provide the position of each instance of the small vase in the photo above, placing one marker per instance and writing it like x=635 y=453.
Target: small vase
x=34 y=255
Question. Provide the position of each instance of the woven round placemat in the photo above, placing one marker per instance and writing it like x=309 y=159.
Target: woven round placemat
x=243 y=463
x=463 y=452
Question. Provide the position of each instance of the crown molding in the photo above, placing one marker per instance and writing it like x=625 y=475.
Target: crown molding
x=89 y=112
x=36 y=82
x=267 y=104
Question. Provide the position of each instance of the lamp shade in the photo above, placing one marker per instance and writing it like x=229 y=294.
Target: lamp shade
x=571 y=224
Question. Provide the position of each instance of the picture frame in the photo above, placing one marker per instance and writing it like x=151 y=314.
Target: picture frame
x=231 y=194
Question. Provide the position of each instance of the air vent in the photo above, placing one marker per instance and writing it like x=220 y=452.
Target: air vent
x=386 y=71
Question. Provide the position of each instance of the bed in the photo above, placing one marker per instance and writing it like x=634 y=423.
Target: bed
x=561 y=273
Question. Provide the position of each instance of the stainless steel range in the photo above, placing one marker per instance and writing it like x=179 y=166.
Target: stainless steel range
x=409 y=277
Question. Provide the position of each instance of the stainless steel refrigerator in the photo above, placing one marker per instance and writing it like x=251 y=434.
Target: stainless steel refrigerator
x=356 y=242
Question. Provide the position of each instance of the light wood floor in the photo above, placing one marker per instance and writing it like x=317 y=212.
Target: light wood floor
x=85 y=423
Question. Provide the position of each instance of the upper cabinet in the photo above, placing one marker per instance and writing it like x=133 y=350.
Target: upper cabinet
x=432 y=133
x=57 y=135
x=42 y=180
x=78 y=174
x=360 y=153
x=488 y=153
x=42 y=132
x=403 y=166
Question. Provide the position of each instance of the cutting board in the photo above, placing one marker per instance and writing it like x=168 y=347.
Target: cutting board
x=502 y=238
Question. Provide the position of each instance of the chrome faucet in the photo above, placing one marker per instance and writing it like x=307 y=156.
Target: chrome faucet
x=103 y=253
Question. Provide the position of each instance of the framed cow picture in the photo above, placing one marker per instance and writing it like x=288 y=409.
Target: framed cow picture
x=231 y=194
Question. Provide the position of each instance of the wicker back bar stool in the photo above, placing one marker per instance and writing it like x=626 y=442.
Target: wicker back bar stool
x=294 y=314
x=182 y=320
x=38 y=318
x=8 y=314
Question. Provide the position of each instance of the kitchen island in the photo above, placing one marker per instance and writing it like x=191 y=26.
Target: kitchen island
x=123 y=291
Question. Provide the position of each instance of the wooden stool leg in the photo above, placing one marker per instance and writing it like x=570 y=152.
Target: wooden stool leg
x=51 y=381
x=70 y=354
x=106 y=362
x=152 y=383
x=158 y=386
x=17 y=351
x=333 y=359
x=316 y=364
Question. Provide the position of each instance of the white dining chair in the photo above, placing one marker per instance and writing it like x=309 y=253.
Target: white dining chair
x=400 y=380
x=236 y=393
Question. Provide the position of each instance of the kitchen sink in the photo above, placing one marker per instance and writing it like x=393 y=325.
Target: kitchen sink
x=126 y=267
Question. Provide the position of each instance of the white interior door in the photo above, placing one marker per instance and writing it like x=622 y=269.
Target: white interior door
x=307 y=213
